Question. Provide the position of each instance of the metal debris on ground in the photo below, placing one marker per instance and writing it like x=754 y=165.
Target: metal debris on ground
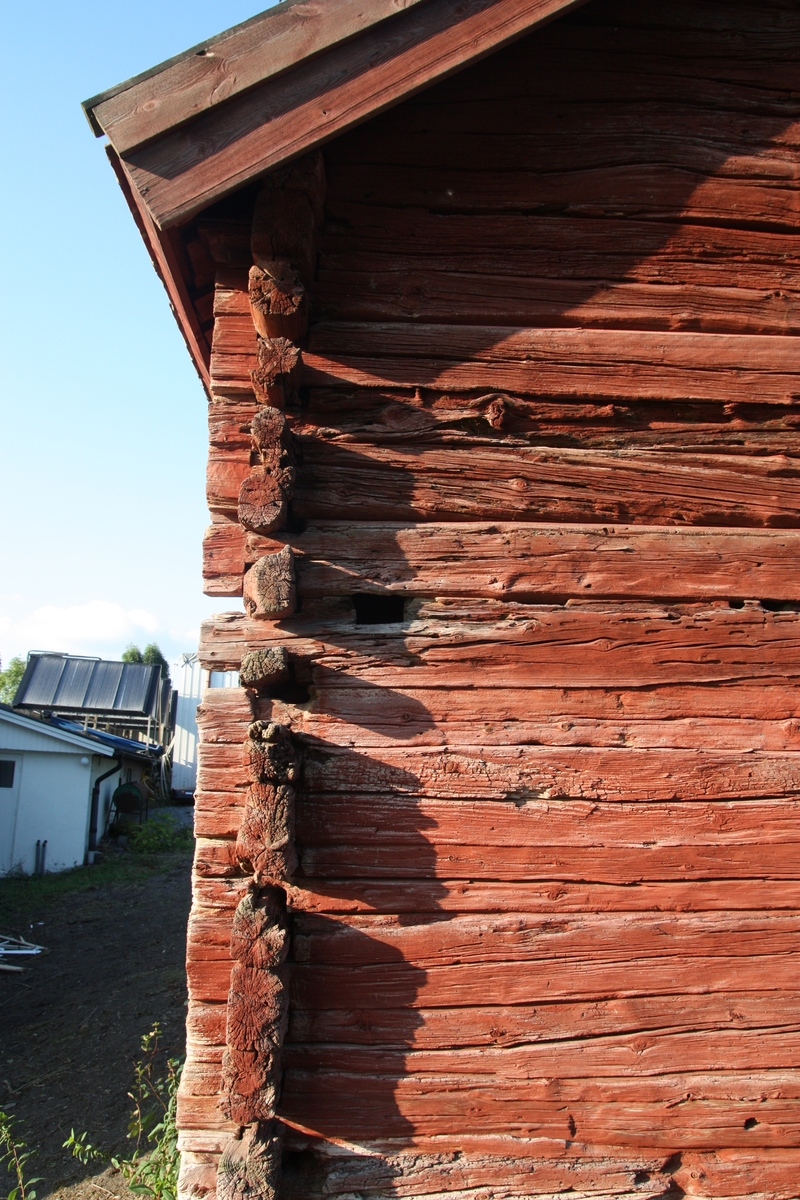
x=13 y=947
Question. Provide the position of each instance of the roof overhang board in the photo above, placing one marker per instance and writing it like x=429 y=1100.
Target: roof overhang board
x=187 y=136
x=268 y=44
x=163 y=254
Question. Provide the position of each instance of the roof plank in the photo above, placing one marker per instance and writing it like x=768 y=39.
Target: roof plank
x=189 y=167
x=162 y=255
x=206 y=76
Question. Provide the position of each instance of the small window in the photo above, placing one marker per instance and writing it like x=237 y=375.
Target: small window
x=7 y=773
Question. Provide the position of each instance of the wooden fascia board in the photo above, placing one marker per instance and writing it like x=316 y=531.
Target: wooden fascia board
x=165 y=260
x=190 y=167
x=262 y=48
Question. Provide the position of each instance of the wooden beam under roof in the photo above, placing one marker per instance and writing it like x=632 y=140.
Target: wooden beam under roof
x=208 y=123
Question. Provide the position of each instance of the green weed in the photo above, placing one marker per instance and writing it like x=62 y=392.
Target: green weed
x=15 y=1156
x=152 y=1168
x=84 y=1151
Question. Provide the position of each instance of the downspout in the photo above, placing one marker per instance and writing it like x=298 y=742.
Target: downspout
x=96 y=803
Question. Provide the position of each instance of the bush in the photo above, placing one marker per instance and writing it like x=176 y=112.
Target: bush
x=160 y=835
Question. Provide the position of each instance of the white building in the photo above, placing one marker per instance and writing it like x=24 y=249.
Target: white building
x=191 y=680
x=47 y=777
x=56 y=787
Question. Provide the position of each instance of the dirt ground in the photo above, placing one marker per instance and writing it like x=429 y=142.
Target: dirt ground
x=72 y=1023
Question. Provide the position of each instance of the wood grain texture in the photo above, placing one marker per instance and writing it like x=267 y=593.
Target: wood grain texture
x=442 y=643
x=522 y=561
x=687 y=1110
x=516 y=561
x=545 y=772
x=640 y=1025
x=433 y=1167
x=481 y=481
x=547 y=887
x=568 y=362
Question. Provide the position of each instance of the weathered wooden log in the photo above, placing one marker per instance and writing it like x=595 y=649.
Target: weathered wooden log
x=492 y=481
x=751 y=1014
x=259 y=937
x=684 y=1110
x=250 y=1084
x=278 y=300
x=269 y=585
x=265 y=840
x=585 y=978
x=263 y=670
x=533 y=560
x=629 y=1057
x=532 y=942
x=532 y=1169
x=224 y=544
x=249 y=1168
x=271 y=756
x=277 y=371
x=737 y=826
x=666 y=192
x=257 y=1007
x=562 y=247
x=443 y=643
x=262 y=502
x=275 y=445
x=553 y=362
x=288 y=212
x=402 y=287
x=543 y=896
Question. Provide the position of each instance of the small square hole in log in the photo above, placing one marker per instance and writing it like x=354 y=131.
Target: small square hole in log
x=377 y=610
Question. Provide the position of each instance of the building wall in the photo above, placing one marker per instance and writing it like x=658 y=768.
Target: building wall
x=191 y=679
x=546 y=899
x=52 y=801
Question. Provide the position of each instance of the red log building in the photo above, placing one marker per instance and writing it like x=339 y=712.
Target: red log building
x=497 y=887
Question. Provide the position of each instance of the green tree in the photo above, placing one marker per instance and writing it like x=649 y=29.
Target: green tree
x=154 y=658
x=9 y=680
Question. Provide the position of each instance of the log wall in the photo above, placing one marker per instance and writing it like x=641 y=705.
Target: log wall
x=505 y=461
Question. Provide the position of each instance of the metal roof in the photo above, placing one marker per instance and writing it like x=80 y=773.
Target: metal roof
x=120 y=745
x=68 y=683
x=63 y=731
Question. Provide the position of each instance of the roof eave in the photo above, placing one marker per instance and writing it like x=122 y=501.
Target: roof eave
x=61 y=735
x=190 y=154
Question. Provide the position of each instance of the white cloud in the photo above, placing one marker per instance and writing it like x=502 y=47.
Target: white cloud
x=94 y=628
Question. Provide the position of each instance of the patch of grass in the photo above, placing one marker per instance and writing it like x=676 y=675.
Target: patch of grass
x=160 y=835
x=24 y=896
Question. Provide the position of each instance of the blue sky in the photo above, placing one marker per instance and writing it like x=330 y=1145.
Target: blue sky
x=102 y=419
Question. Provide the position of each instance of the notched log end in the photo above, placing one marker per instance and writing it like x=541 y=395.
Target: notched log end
x=265 y=670
x=269 y=585
x=249 y=1168
x=262 y=502
x=259 y=937
x=278 y=300
x=276 y=377
x=250 y=1081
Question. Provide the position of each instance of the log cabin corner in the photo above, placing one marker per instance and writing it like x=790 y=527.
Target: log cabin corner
x=497 y=884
